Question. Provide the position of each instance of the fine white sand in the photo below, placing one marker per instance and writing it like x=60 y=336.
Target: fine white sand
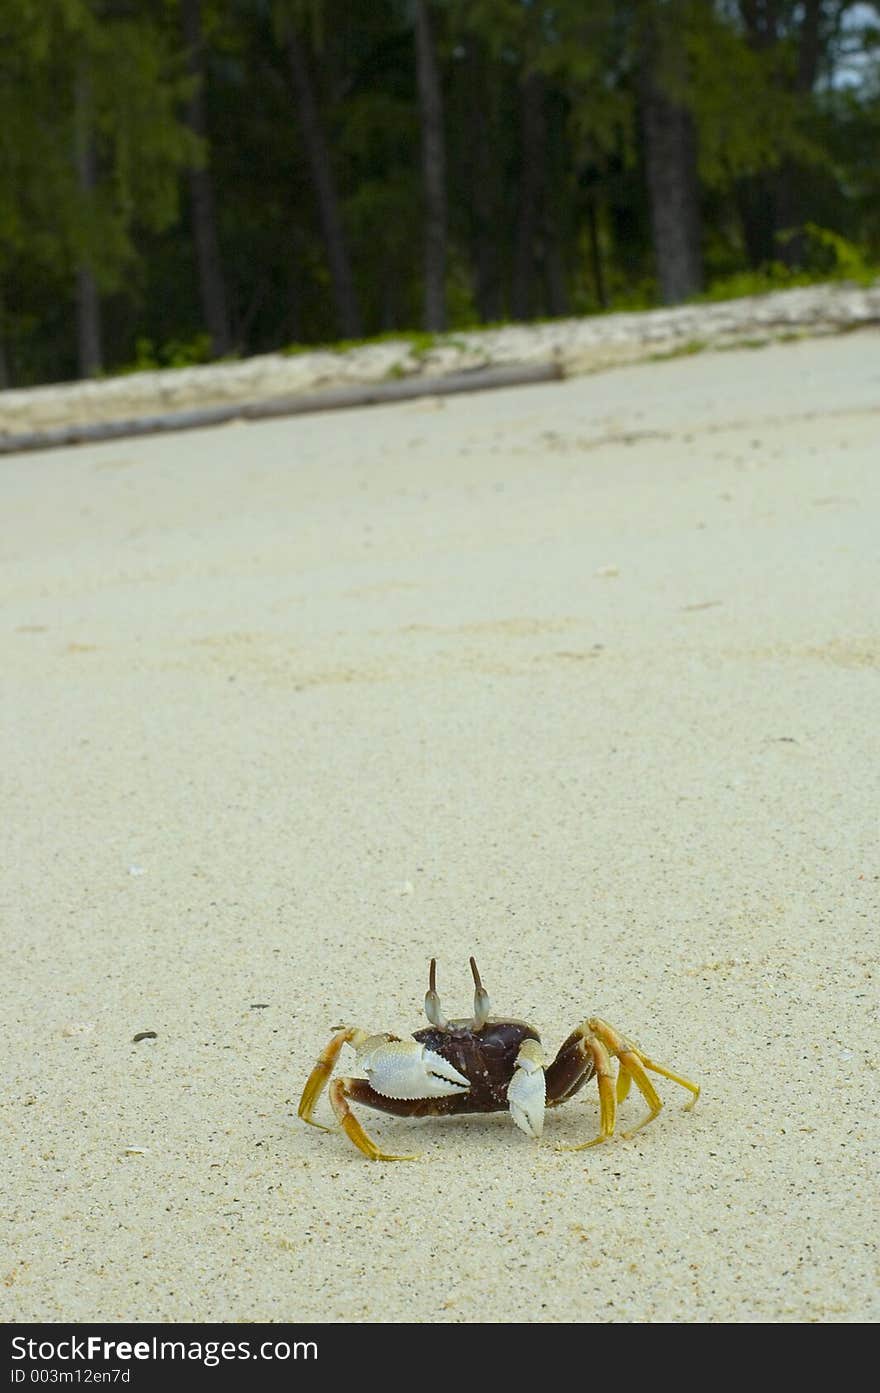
x=582 y=679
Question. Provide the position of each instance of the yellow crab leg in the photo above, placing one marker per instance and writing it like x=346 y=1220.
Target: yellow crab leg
x=352 y=1128
x=624 y=1084
x=633 y=1062
x=634 y=1066
x=676 y=1078
x=607 y=1100
x=317 y=1080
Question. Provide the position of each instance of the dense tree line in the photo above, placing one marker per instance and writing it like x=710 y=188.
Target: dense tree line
x=194 y=178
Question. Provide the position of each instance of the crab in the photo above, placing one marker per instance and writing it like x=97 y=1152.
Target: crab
x=481 y=1064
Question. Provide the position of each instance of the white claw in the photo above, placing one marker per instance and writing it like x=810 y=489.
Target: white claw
x=406 y=1069
x=527 y=1090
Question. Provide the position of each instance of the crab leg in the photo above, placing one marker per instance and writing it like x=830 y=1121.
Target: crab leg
x=634 y=1063
x=597 y=1041
x=633 y=1066
x=340 y=1090
x=607 y=1095
x=676 y=1078
x=317 y=1080
x=570 y=1070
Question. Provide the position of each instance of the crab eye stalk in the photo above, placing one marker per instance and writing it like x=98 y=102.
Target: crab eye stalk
x=432 y=1000
x=481 y=1000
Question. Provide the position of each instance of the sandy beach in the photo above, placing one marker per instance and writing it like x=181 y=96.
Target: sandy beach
x=581 y=679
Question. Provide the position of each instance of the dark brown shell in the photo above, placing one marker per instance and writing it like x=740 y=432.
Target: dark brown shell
x=486 y=1056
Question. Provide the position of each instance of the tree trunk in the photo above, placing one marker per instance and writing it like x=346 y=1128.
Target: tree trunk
x=761 y=22
x=88 y=304
x=757 y=212
x=552 y=221
x=5 y=377
x=389 y=293
x=789 y=217
x=433 y=170
x=596 y=254
x=810 y=47
x=756 y=196
x=555 y=280
x=673 y=190
x=774 y=203
x=344 y=294
x=90 y=357
x=212 y=286
x=482 y=185
x=791 y=212
x=530 y=191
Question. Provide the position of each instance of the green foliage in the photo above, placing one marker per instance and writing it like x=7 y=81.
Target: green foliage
x=419 y=342
x=832 y=257
x=747 y=120
x=828 y=257
x=139 y=89
x=686 y=350
x=176 y=353
x=758 y=125
x=773 y=276
x=134 y=85
x=305 y=16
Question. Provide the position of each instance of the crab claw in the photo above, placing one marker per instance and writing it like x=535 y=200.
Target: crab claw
x=406 y=1069
x=527 y=1090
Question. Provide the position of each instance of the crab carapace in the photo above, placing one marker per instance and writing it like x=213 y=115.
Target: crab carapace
x=481 y=1064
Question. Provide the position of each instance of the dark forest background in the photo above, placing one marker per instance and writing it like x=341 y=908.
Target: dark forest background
x=183 y=180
